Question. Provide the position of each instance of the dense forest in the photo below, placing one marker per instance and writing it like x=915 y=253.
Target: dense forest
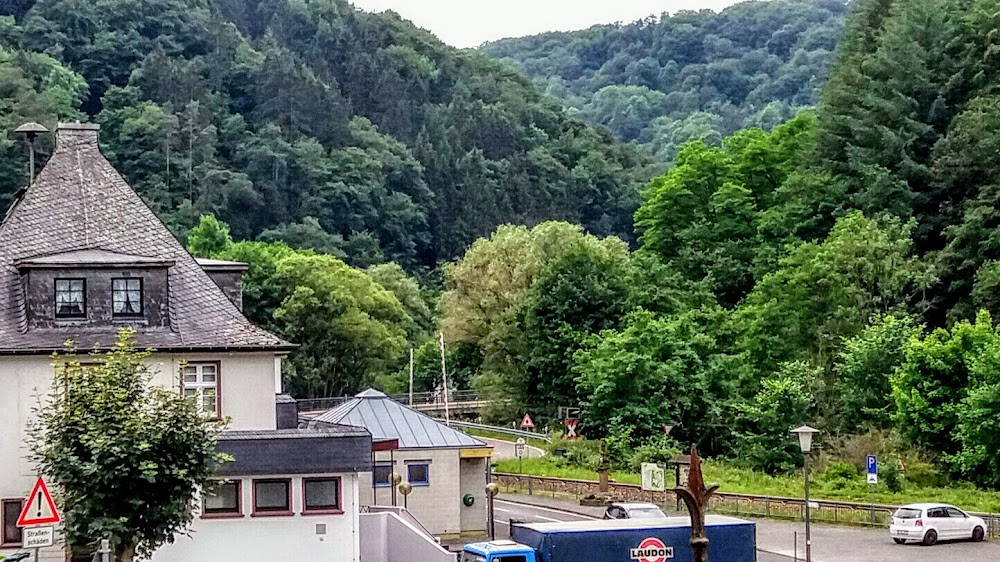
x=839 y=268
x=663 y=81
x=308 y=122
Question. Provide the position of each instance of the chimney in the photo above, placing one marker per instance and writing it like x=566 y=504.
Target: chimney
x=77 y=135
x=287 y=412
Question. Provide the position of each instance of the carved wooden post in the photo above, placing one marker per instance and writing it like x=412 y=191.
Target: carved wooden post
x=696 y=496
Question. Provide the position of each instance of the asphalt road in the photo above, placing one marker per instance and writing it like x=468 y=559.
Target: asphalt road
x=505 y=449
x=775 y=539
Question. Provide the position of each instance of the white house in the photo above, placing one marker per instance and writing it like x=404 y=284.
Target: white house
x=446 y=468
x=82 y=256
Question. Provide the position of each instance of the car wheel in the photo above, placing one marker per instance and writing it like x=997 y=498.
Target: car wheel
x=898 y=541
x=978 y=534
x=930 y=537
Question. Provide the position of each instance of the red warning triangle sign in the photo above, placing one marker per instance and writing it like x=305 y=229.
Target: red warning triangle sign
x=39 y=509
x=526 y=422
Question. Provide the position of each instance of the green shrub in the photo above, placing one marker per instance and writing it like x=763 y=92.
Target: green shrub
x=924 y=475
x=840 y=470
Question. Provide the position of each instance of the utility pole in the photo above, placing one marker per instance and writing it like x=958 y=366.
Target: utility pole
x=411 y=377
x=444 y=381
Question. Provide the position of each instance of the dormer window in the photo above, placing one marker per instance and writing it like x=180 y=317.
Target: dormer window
x=71 y=298
x=126 y=297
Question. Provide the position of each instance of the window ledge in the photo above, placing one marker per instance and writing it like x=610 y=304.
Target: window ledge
x=272 y=514
x=10 y=545
x=323 y=512
x=420 y=484
x=222 y=516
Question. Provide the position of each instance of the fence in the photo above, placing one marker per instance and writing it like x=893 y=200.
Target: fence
x=745 y=505
x=419 y=398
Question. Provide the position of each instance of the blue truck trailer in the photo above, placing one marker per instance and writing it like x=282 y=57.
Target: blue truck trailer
x=638 y=540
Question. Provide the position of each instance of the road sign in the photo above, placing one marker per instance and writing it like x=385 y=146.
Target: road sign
x=571 y=413
x=872 y=469
x=38 y=537
x=571 y=429
x=519 y=447
x=652 y=477
x=39 y=509
x=526 y=422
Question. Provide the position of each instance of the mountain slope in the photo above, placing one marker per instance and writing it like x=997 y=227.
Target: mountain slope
x=317 y=124
x=664 y=81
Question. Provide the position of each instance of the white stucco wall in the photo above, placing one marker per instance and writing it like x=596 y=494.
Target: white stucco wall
x=248 y=389
x=437 y=506
x=473 y=481
x=273 y=539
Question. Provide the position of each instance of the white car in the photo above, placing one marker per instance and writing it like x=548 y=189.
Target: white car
x=929 y=522
x=621 y=510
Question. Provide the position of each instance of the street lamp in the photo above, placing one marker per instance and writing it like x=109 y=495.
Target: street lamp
x=394 y=479
x=805 y=435
x=30 y=131
x=491 y=491
x=405 y=488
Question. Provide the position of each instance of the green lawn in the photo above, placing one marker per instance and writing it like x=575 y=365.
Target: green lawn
x=738 y=480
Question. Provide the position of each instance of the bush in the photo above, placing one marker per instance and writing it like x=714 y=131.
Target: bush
x=924 y=474
x=657 y=450
x=840 y=469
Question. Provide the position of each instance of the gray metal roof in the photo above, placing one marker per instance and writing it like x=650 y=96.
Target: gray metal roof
x=296 y=451
x=80 y=207
x=387 y=419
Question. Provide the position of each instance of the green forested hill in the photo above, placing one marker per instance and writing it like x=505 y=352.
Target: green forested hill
x=308 y=122
x=665 y=81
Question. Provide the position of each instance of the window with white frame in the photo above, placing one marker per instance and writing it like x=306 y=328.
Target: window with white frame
x=201 y=384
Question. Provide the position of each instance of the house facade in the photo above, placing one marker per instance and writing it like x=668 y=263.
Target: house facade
x=446 y=468
x=82 y=256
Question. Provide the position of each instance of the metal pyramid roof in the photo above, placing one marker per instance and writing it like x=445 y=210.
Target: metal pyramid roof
x=387 y=419
x=80 y=208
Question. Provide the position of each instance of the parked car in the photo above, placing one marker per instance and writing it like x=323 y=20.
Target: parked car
x=633 y=511
x=930 y=522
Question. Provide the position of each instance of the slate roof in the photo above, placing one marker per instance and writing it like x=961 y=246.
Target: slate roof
x=296 y=451
x=387 y=419
x=80 y=206
x=91 y=258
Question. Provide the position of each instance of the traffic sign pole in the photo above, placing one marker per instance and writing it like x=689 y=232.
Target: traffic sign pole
x=873 y=481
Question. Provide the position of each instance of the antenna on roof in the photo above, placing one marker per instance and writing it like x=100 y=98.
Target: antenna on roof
x=30 y=131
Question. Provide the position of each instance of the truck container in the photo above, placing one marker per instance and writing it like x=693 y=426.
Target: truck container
x=642 y=540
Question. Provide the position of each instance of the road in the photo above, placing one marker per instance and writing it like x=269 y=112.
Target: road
x=505 y=449
x=775 y=539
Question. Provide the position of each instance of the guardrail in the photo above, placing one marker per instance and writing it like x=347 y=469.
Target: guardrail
x=505 y=430
x=419 y=399
x=746 y=505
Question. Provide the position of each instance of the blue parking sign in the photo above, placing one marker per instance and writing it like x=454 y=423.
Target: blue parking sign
x=872 y=464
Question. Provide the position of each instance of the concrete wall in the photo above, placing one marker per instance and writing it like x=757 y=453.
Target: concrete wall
x=273 y=539
x=248 y=390
x=473 y=481
x=439 y=505
x=387 y=537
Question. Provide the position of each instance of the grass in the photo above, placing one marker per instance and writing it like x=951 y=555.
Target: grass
x=743 y=481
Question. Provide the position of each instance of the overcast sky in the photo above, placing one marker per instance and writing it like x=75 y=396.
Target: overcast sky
x=469 y=23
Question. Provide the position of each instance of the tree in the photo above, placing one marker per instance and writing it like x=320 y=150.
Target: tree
x=348 y=327
x=210 y=238
x=864 y=369
x=931 y=384
x=126 y=457
x=782 y=403
x=977 y=430
x=659 y=370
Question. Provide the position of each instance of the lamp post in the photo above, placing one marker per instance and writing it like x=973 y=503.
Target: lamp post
x=491 y=491
x=405 y=488
x=394 y=479
x=805 y=435
x=30 y=131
